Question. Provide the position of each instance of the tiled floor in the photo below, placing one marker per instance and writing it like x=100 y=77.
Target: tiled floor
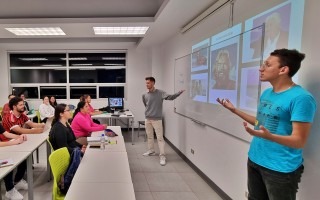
x=151 y=181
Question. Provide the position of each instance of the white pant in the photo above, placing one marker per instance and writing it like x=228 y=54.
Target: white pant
x=157 y=126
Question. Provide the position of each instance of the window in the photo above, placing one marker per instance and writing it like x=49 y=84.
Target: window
x=50 y=74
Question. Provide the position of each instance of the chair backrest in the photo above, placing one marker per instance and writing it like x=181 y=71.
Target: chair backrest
x=38 y=115
x=59 y=161
x=48 y=140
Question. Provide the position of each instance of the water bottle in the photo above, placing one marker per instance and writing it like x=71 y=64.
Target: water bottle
x=102 y=142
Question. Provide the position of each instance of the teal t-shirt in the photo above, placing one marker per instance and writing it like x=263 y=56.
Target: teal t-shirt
x=276 y=112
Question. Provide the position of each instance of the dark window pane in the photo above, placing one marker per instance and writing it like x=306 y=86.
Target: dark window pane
x=29 y=92
x=37 y=60
x=77 y=92
x=105 y=92
x=97 y=59
x=57 y=92
x=98 y=76
x=38 y=76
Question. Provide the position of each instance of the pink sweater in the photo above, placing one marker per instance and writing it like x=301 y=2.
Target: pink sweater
x=82 y=125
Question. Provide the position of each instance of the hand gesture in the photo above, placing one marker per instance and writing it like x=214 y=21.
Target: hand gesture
x=227 y=104
x=263 y=132
x=19 y=140
x=83 y=149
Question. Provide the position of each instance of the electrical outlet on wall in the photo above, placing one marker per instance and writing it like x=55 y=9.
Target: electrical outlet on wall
x=192 y=151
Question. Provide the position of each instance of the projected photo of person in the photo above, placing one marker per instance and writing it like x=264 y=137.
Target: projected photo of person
x=224 y=72
x=199 y=59
x=276 y=34
x=199 y=85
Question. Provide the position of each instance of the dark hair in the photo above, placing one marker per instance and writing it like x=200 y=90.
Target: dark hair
x=150 y=78
x=291 y=58
x=80 y=105
x=45 y=97
x=57 y=111
x=54 y=104
x=84 y=97
x=22 y=93
x=14 y=102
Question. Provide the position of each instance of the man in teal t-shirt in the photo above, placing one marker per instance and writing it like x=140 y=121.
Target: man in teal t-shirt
x=281 y=128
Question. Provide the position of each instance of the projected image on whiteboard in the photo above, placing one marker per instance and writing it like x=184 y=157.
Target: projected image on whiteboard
x=199 y=86
x=249 y=88
x=200 y=56
x=223 y=73
x=283 y=29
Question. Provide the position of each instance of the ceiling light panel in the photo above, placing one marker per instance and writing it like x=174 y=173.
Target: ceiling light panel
x=141 y=30
x=45 y=31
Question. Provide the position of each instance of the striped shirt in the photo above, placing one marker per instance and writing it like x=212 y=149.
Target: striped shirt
x=10 y=121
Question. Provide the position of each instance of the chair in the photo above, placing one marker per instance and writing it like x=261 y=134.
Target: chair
x=38 y=115
x=143 y=124
x=50 y=145
x=59 y=161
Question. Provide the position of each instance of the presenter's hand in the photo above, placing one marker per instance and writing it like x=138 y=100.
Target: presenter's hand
x=227 y=104
x=263 y=132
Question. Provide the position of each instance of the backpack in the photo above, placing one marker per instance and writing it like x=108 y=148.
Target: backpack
x=66 y=179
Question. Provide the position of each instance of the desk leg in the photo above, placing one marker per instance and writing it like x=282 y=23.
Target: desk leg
x=48 y=164
x=132 y=134
x=30 y=177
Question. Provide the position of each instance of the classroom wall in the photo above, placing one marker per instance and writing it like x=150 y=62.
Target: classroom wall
x=220 y=156
x=138 y=67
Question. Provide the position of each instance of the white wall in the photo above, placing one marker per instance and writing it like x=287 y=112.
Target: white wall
x=138 y=66
x=220 y=156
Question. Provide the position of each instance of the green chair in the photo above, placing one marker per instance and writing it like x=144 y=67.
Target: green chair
x=59 y=161
x=48 y=140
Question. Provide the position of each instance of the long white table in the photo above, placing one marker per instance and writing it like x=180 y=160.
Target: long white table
x=17 y=158
x=116 y=144
x=101 y=191
x=33 y=142
x=103 y=174
x=128 y=115
x=103 y=166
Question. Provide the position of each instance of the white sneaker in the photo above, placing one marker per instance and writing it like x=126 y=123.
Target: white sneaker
x=21 y=185
x=149 y=153
x=13 y=194
x=162 y=160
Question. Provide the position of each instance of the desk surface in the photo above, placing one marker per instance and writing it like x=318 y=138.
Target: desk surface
x=17 y=158
x=103 y=166
x=112 y=191
x=32 y=143
x=127 y=114
x=116 y=129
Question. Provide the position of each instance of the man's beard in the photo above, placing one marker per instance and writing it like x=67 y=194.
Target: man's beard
x=21 y=111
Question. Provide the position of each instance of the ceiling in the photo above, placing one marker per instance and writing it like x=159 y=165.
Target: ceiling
x=78 y=17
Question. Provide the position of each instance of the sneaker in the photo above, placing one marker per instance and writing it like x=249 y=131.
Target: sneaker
x=21 y=185
x=149 y=153
x=13 y=194
x=162 y=160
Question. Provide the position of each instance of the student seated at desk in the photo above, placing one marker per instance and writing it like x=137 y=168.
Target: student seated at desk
x=82 y=124
x=11 y=188
x=16 y=121
x=46 y=110
x=6 y=108
x=61 y=134
x=86 y=98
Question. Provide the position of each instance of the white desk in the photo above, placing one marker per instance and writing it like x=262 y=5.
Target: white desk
x=103 y=166
x=17 y=157
x=117 y=143
x=127 y=115
x=28 y=147
x=98 y=191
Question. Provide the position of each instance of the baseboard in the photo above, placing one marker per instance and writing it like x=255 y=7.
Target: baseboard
x=220 y=192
